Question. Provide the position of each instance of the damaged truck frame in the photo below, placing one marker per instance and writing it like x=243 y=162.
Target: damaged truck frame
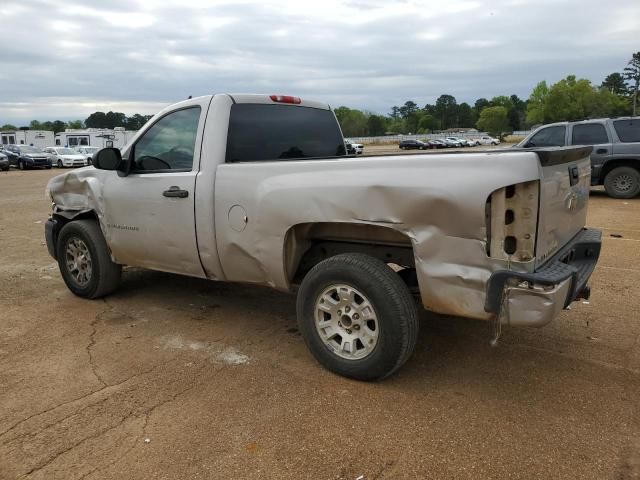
x=258 y=189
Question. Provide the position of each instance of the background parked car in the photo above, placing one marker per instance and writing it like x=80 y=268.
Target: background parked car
x=88 y=152
x=4 y=162
x=615 y=159
x=66 y=157
x=438 y=143
x=24 y=156
x=452 y=142
x=357 y=148
x=487 y=140
x=349 y=148
x=413 y=144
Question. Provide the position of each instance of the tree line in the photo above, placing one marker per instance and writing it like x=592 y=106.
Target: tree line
x=95 y=120
x=566 y=100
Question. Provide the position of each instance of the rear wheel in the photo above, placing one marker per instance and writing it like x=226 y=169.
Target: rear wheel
x=357 y=316
x=622 y=182
x=84 y=260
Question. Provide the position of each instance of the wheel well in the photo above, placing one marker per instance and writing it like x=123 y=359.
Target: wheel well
x=611 y=164
x=61 y=221
x=308 y=244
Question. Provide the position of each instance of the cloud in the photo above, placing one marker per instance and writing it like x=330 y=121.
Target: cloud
x=68 y=59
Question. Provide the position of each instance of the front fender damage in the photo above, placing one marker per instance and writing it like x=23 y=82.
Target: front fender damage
x=77 y=192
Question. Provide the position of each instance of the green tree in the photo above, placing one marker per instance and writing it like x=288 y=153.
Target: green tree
x=35 y=125
x=447 y=111
x=377 y=125
x=137 y=121
x=408 y=108
x=76 y=124
x=395 y=112
x=8 y=126
x=502 y=101
x=58 y=126
x=353 y=122
x=493 y=120
x=632 y=74
x=517 y=113
x=466 y=115
x=479 y=105
x=427 y=123
x=614 y=82
x=397 y=126
x=96 y=120
x=536 y=103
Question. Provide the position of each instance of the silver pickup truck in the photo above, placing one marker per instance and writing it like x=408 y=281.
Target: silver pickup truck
x=258 y=189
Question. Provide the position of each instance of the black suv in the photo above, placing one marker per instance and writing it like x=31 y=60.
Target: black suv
x=25 y=156
x=414 y=144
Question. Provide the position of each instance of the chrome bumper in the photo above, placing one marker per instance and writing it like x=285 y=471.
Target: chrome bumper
x=534 y=299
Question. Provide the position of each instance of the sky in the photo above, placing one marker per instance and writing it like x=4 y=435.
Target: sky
x=67 y=59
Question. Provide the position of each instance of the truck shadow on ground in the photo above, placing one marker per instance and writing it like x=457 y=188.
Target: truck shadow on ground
x=448 y=348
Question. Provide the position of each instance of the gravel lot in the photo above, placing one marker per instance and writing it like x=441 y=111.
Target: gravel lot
x=182 y=378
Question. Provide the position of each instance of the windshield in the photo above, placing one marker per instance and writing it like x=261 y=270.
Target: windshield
x=30 y=150
x=65 y=151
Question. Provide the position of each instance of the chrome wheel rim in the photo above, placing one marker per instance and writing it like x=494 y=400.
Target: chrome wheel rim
x=78 y=260
x=346 y=322
x=623 y=183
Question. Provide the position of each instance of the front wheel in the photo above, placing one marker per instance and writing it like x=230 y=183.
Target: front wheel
x=21 y=165
x=357 y=316
x=60 y=164
x=622 y=182
x=84 y=260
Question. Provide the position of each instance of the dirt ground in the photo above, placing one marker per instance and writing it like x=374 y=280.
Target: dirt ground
x=174 y=377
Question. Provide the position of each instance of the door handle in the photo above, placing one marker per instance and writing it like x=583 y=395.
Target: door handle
x=175 y=192
x=601 y=150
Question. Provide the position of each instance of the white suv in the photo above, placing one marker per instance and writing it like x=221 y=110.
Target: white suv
x=487 y=140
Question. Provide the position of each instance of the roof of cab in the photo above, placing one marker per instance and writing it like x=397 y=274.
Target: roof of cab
x=266 y=99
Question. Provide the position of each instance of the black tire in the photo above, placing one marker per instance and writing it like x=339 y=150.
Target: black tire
x=21 y=165
x=622 y=182
x=60 y=164
x=391 y=300
x=105 y=274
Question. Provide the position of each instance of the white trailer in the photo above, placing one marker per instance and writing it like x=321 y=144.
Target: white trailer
x=36 y=138
x=94 y=137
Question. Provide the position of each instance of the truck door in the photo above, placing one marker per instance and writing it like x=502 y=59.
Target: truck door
x=596 y=135
x=149 y=214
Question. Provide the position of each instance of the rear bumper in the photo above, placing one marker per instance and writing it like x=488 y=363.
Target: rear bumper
x=534 y=299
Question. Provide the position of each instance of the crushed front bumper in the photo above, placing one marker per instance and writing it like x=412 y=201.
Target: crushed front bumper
x=534 y=299
x=51 y=227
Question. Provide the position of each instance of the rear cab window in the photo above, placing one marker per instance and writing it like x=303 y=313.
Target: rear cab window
x=548 y=137
x=262 y=132
x=628 y=130
x=589 y=134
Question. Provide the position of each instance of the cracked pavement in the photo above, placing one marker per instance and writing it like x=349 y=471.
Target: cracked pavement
x=173 y=377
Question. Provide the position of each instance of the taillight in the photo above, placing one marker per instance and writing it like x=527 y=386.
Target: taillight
x=285 y=99
x=512 y=217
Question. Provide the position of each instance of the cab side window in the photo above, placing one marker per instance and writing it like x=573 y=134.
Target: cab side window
x=548 y=137
x=169 y=144
x=589 y=134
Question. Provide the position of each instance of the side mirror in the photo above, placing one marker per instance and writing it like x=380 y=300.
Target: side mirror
x=108 y=159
